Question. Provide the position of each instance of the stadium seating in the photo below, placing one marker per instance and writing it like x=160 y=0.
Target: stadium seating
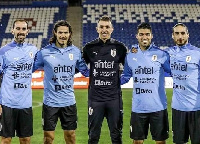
x=126 y=17
x=40 y=19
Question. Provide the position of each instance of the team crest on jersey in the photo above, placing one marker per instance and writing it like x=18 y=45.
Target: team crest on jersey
x=188 y=58
x=31 y=54
x=131 y=129
x=90 y=111
x=154 y=58
x=71 y=56
x=113 y=52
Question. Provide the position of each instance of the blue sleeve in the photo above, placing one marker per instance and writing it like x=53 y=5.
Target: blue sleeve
x=166 y=64
x=1 y=64
x=127 y=73
x=82 y=67
x=1 y=72
x=38 y=62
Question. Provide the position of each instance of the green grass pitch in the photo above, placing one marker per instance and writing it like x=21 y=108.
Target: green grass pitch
x=81 y=132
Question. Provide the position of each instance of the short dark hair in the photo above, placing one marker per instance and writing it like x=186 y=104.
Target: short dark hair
x=105 y=18
x=144 y=25
x=179 y=24
x=58 y=24
x=20 y=20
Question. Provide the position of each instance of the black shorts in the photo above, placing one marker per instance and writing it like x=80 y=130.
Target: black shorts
x=16 y=120
x=67 y=116
x=185 y=125
x=158 y=121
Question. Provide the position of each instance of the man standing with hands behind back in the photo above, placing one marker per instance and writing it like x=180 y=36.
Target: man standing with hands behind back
x=16 y=63
x=185 y=68
x=104 y=55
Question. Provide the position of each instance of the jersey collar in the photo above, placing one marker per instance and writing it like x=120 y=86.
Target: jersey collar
x=107 y=41
x=138 y=47
x=66 y=48
x=179 y=48
x=14 y=44
x=185 y=46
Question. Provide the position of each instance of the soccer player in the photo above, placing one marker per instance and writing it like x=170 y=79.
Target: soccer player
x=149 y=104
x=104 y=55
x=185 y=68
x=59 y=60
x=16 y=63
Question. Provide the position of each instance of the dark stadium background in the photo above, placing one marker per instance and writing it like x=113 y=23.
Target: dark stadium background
x=83 y=15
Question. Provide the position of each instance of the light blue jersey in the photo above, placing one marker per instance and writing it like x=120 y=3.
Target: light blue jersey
x=59 y=68
x=16 y=63
x=147 y=69
x=185 y=68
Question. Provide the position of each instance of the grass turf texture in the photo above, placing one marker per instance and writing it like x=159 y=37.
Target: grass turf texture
x=81 y=132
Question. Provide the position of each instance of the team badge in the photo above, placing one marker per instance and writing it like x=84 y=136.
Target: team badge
x=154 y=57
x=188 y=58
x=90 y=111
x=71 y=56
x=113 y=52
x=131 y=129
x=31 y=54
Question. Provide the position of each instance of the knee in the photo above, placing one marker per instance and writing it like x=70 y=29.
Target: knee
x=48 y=137
x=94 y=138
x=25 y=140
x=160 y=142
x=70 y=133
x=5 y=140
x=138 y=141
x=70 y=136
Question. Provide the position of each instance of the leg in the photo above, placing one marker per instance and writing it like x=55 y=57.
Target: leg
x=180 y=126
x=194 y=126
x=139 y=126
x=48 y=137
x=6 y=140
x=68 y=119
x=70 y=136
x=159 y=126
x=114 y=115
x=50 y=118
x=7 y=121
x=160 y=142
x=138 y=141
x=25 y=140
x=95 y=119
x=24 y=126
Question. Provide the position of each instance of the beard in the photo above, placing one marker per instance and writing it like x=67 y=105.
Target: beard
x=181 y=42
x=62 y=44
x=20 y=39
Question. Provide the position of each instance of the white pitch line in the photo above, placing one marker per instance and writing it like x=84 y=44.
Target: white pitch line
x=39 y=104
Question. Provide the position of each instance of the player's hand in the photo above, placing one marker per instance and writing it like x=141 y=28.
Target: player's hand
x=134 y=50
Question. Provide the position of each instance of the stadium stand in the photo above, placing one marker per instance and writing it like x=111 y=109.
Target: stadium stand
x=41 y=18
x=127 y=14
